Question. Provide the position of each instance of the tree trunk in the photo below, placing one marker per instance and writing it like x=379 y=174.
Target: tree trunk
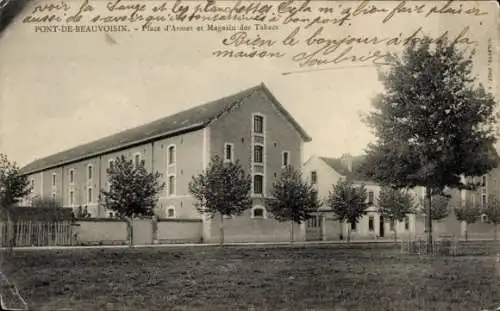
x=495 y=238
x=291 y=232
x=428 y=220
x=466 y=231
x=348 y=232
x=130 y=227
x=221 y=230
x=341 y=228
x=395 y=232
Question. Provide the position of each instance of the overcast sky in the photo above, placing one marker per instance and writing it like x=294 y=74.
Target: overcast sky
x=59 y=90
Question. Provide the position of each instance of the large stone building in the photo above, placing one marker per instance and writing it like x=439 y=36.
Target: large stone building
x=251 y=126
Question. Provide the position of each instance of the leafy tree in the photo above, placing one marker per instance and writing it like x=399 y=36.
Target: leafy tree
x=9 y=9
x=348 y=202
x=46 y=202
x=492 y=211
x=13 y=185
x=133 y=191
x=292 y=198
x=469 y=212
x=439 y=207
x=433 y=123
x=223 y=189
x=395 y=205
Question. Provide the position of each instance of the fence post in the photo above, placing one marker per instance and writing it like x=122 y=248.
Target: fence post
x=39 y=232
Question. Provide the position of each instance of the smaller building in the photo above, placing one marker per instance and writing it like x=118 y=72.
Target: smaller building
x=323 y=173
x=487 y=189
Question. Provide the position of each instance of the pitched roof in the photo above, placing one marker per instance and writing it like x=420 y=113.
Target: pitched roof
x=354 y=174
x=182 y=122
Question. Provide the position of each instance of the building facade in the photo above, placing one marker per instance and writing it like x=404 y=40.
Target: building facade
x=250 y=126
x=487 y=189
x=323 y=173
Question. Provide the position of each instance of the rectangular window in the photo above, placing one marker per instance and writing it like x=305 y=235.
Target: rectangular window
x=71 y=198
x=171 y=212
x=484 y=181
x=370 y=197
x=353 y=226
x=393 y=225
x=258 y=153
x=371 y=221
x=71 y=176
x=285 y=158
x=89 y=195
x=171 y=155
x=228 y=152
x=258 y=124
x=89 y=172
x=171 y=185
x=484 y=202
x=314 y=178
x=407 y=223
x=137 y=160
x=258 y=184
x=54 y=179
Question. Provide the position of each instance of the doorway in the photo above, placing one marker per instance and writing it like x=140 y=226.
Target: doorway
x=381 y=227
x=314 y=228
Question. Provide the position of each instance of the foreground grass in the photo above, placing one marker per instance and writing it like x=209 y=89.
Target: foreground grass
x=252 y=278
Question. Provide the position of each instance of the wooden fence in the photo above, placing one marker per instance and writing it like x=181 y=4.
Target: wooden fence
x=36 y=233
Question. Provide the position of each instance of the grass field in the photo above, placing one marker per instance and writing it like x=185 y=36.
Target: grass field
x=327 y=277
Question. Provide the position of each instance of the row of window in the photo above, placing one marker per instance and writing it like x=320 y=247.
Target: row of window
x=171 y=191
x=314 y=222
x=371 y=224
x=71 y=197
x=484 y=200
x=258 y=154
x=90 y=168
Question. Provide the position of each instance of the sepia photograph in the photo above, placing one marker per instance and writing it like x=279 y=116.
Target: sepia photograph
x=249 y=155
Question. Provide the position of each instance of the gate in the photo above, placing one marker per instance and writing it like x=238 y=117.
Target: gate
x=314 y=228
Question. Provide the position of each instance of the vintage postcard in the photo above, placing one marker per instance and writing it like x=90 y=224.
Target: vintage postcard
x=249 y=155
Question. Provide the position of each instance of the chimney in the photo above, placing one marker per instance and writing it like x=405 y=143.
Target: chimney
x=346 y=161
